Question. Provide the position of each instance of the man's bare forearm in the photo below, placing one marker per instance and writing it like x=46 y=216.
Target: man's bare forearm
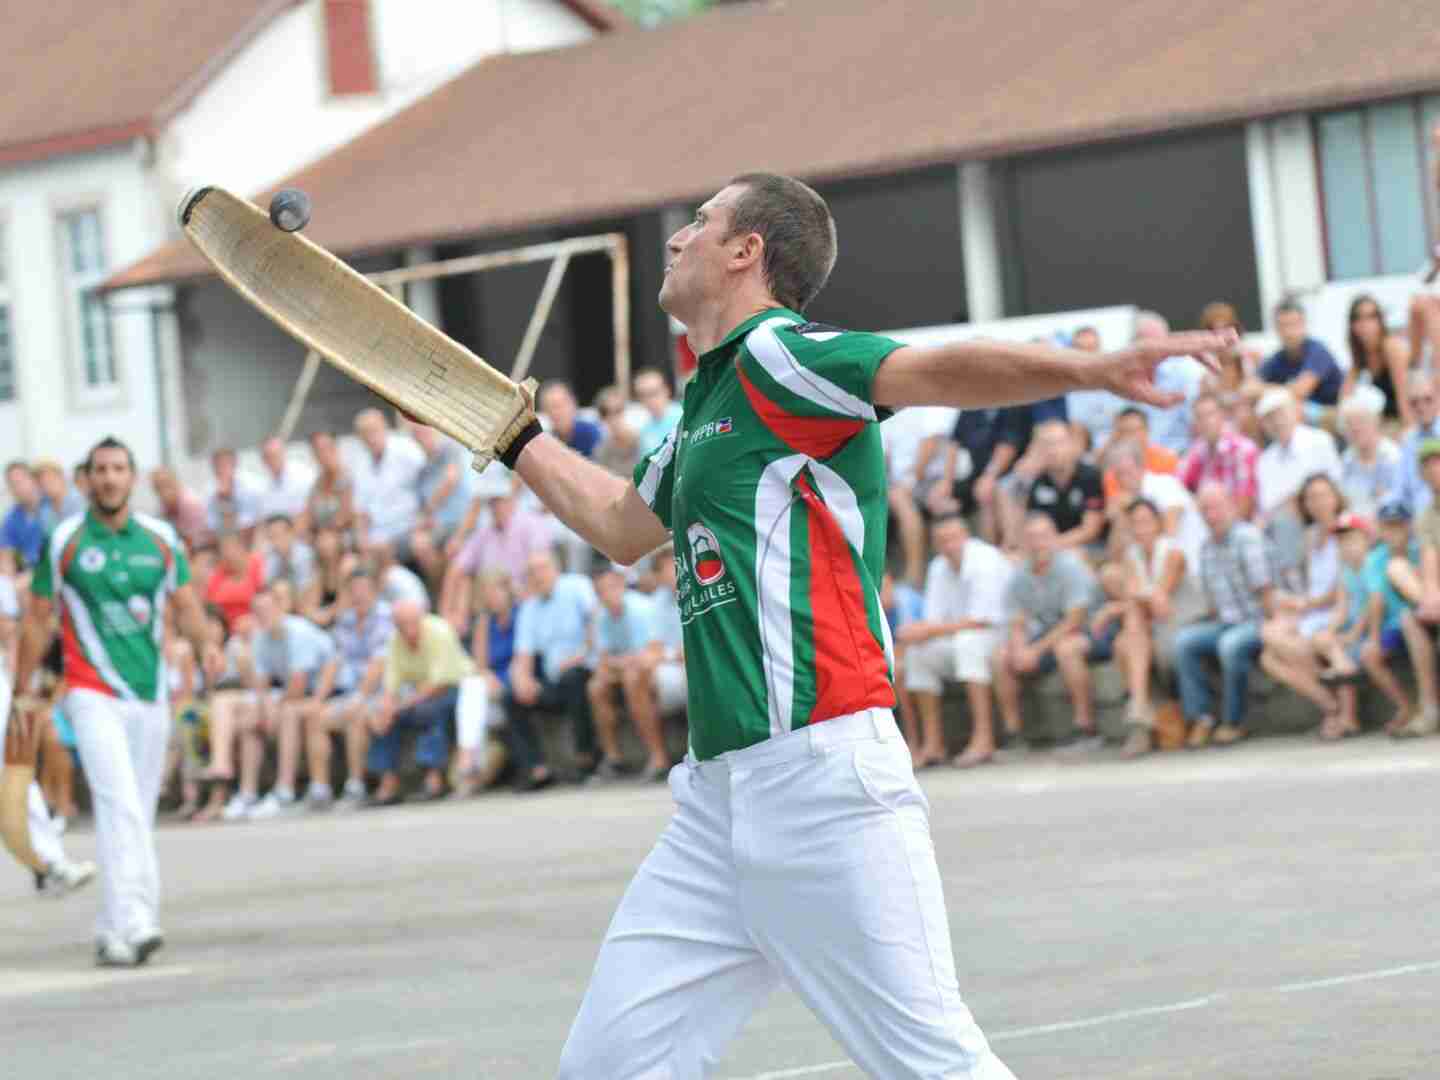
x=35 y=635
x=982 y=374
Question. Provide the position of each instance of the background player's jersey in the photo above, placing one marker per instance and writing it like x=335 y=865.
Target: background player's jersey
x=112 y=587
x=774 y=488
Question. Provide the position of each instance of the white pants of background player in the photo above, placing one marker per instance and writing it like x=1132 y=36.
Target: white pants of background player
x=805 y=860
x=44 y=837
x=122 y=749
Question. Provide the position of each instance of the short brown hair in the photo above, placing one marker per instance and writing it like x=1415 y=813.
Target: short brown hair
x=799 y=234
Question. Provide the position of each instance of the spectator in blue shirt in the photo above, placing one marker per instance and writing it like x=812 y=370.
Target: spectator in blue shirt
x=482 y=696
x=23 y=529
x=1303 y=365
x=551 y=667
x=443 y=485
x=1091 y=413
x=624 y=628
x=653 y=392
x=1170 y=427
x=558 y=406
x=61 y=500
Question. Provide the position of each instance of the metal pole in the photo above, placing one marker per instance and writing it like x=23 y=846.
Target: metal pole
x=531 y=341
x=298 y=396
x=577 y=245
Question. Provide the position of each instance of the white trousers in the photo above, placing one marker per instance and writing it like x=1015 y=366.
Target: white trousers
x=44 y=837
x=476 y=712
x=804 y=860
x=122 y=748
x=963 y=656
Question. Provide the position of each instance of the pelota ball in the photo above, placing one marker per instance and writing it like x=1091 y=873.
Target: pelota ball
x=290 y=209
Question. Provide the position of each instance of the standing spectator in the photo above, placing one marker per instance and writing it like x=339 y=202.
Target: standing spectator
x=1170 y=427
x=655 y=684
x=620 y=449
x=423 y=671
x=1068 y=490
x=1180 y=517
x=624 y=629
x=1091 y=413
x=287 y=486
x=287 y=557
x=387 y=485
x=1425 y=405
x=1370 y=465
x=1296 y=452
x=962 y=626
x=362 y=634
x=238 y=576
x=1161 y=596
x=507 y=542
x=61 y=500
x=1379 y=360
x=444 y=487
x=1132 y=426
x=181 y=507
x=293 y=669
x=1236 y=579
x=482 y=696
x=549 y=672
x=233 y=506
x=558 y=406
x=1050 y=599
x=1221 y=455
x=331 y=501
x=1303 y=366
x=653 y=392
x=23 y=530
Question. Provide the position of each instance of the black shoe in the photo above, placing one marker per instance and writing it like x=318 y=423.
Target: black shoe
x=428 y=794
x=534 y=783
x=389 y=800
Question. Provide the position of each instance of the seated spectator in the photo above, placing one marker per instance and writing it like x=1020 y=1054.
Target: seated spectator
x=1091 y=413
x=1295 y=453
x=444 y=488
x=1132 y=426
x=331 y=501
x=1378 y=360
x=1180 y=517
x=962 y=625
x=288 y=558
x=1236 y=381
x=1067 y=490
x=1425 y=405
x=1236 y=579
x=1370 y=465
x=387 y=485
x=181 y=507
x=1013 y=488
x=506 y=542
x=1170 y=427
x=994 y=439
x=424 y=667
x=1161 y=595
x=319 y=602
x=292 y=674
x=652 y=390
x=238 y=575
x=233 y=506
x=396 y=583
x=655 y=683
x=560 y=411
x=481 y=708
x=23 y=530
x=60 y=499
x=1050 y=597
x=1393 y=573
x=362 y=634
x=915 y=455
x=1351 y=625
x=286 y=487
x=1303 y=366
x=620 y=449
x=1221 y=455
x=1427 y=533
x=624 y=630
x=549 y=672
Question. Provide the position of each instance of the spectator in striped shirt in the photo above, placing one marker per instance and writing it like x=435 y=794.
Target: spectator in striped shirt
x=1221 y=455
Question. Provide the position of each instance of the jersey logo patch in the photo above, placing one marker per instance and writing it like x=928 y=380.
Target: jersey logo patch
x=92 y=560
x=816 y=331
x=140 y=609
x=708 y=566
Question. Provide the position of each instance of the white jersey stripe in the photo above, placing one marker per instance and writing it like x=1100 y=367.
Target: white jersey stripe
x=840 y=498
x=655 y=471
x=58 y=539
x=774 y=501
x=94 y=648
x=780 y=364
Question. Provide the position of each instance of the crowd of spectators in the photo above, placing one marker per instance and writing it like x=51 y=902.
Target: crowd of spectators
x=389 y=600
x=1278 y=517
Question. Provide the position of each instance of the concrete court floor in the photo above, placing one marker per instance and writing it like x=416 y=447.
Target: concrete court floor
x=1267 y=911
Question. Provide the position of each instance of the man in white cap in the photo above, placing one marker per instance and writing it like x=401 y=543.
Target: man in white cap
x=1370 y=467
x=1294 y=453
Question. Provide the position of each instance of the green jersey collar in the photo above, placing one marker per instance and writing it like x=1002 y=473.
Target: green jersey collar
x=97 y=527
x=743 y=329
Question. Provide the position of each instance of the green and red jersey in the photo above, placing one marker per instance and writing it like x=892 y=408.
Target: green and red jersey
x=773 y=486
x=111 y=586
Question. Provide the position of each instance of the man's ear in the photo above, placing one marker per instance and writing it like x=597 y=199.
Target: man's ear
x=751 y=252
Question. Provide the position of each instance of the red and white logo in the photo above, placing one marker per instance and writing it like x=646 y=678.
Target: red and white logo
x=705 y=560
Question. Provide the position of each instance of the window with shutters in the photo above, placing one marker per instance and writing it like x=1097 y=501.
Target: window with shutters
x=92 y=343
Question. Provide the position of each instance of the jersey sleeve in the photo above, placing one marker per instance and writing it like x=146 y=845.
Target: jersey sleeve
x=655 y=477
x=42 y=578
x=815 y=371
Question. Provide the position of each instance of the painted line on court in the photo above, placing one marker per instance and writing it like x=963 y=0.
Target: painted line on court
x=1104 y=1019
x=25 y=984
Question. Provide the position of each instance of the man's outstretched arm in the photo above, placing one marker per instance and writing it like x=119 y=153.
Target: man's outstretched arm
x=984 y=374
x=603 y=508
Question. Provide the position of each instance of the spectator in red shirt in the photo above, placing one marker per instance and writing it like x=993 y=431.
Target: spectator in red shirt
x=1221 y=455
x=235 y=581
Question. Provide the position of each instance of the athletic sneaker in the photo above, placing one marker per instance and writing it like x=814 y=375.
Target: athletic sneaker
x=273 y=806
x=319 y=797
x=352 y=797
x=606 y=772
x=239 y=807
x=111 y=951
x=64 y=877
x=1085 y=742
x=146 y=943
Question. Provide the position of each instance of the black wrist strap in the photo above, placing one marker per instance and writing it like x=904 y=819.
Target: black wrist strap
x=512 y=452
